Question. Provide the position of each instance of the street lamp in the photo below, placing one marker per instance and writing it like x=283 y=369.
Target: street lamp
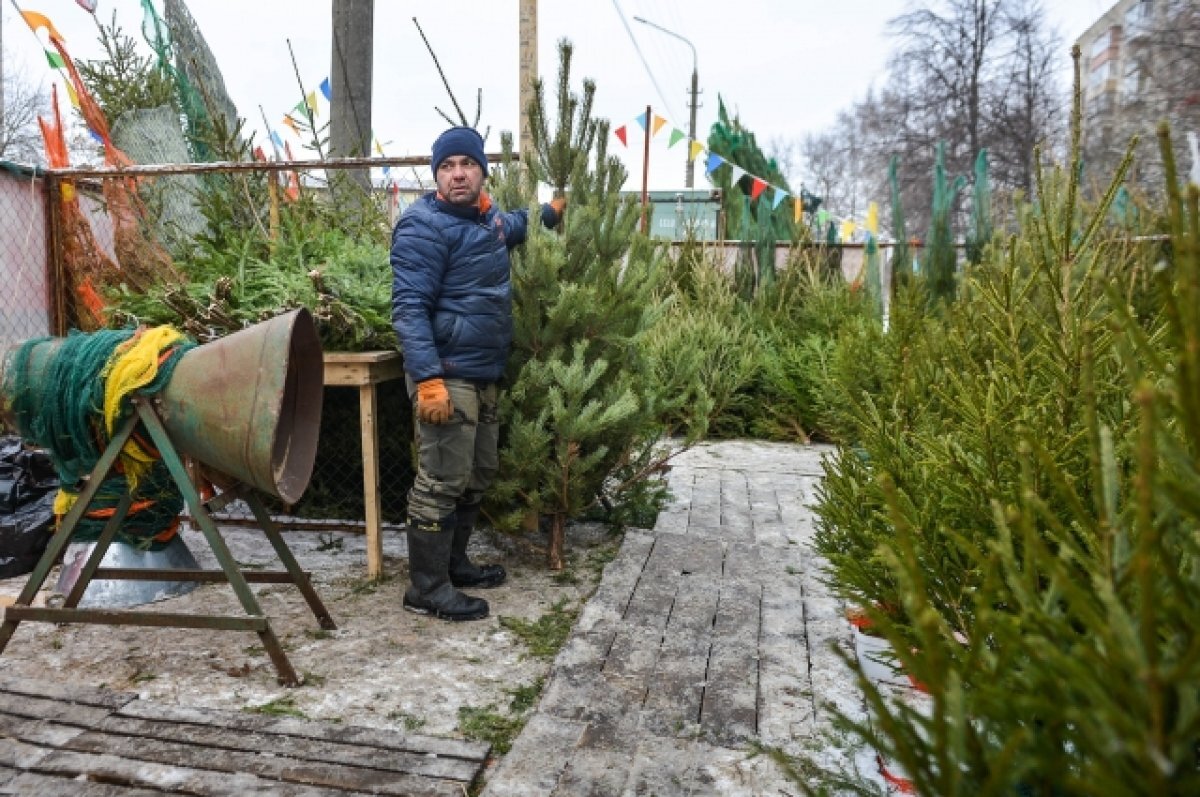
x=691 y=164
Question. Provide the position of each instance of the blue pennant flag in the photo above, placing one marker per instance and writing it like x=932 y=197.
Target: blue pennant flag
x=326 y=90
x=779 y=195
x=641 y=120
x=714 y=161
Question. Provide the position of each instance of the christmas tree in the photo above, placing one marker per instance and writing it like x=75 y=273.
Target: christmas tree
x=580 y=408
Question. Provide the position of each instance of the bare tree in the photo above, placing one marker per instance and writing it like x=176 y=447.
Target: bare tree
x=951 y=48
x=24 y=101
x=786 y=152
x=837 y=165
x=1027 y=110
x=974 y=74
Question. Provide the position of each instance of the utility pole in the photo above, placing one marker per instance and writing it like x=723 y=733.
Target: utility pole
x=527 y=72
x=689 y=178
x=690 y=175
x=350 y=79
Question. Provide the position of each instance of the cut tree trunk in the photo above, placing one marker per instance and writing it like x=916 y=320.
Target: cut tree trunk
x=554 y=555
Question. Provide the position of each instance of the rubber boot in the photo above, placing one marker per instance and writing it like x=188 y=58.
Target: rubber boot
x=431 y=592
x=463 y=573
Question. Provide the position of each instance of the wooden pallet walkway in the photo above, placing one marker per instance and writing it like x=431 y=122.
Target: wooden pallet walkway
x=57 y=739
x=707 y=640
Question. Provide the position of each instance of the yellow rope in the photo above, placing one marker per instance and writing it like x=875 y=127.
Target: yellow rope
x=133 y=365
x=63 y=502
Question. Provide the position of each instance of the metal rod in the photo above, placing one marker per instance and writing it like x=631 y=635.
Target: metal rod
x=646 y=174
x=216 y=542
x=58 y=542
x=299 y=577
x=245 y=166
x=98 y=551
x=182 y=574
x=123 y=617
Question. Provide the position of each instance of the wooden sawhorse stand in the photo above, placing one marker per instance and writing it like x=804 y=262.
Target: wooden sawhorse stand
x=254 y=621
x=365 y=370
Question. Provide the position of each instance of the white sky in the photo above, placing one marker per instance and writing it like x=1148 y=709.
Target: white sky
x=786 y=66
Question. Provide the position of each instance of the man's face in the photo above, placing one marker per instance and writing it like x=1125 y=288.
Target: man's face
x=460 y=180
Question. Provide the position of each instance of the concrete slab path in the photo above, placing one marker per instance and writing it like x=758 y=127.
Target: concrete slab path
x=708 y=642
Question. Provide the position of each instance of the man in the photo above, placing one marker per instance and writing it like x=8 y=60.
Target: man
x=452 y=311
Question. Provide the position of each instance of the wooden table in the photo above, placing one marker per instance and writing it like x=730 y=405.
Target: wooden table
x=365 y=370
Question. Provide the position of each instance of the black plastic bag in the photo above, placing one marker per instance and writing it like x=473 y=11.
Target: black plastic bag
x=24 y=535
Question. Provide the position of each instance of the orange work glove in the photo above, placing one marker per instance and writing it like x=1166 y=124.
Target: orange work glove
x=559 y=203
x=433 y=401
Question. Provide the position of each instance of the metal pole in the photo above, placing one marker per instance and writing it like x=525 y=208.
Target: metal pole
x=646 y=173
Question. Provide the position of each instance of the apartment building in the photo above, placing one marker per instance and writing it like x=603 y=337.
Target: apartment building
x=1139 y=66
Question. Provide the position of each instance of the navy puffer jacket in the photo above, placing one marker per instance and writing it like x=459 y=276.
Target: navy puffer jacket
x=451 y=292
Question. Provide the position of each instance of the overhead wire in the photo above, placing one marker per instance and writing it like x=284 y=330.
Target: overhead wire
x=649 y=72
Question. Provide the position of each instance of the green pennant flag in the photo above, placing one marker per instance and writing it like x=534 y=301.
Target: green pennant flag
x=55 y=59
x=676 y=136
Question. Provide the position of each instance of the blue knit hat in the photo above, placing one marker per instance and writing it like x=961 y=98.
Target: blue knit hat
x=459 y=141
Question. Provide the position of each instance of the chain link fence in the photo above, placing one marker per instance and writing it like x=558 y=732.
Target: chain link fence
x=191 y=245
x=25 y=310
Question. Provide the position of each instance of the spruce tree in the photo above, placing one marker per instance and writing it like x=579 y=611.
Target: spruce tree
x=579 y=412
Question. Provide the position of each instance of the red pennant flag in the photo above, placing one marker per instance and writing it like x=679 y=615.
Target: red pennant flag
x=757 y=188
x=620 y=131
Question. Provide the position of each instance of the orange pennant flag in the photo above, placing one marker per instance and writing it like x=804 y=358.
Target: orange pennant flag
x=35 y=21
x=290 y=122
x=658 y=123
x=797 y=209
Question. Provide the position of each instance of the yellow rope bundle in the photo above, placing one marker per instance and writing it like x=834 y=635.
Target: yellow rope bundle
x=133 y=365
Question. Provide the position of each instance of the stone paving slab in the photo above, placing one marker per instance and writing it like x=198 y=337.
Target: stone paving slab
x=709 y=638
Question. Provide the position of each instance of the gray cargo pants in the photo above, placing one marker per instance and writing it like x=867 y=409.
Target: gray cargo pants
x=456 y=461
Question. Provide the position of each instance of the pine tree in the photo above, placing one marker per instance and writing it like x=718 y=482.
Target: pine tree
x=579 y=412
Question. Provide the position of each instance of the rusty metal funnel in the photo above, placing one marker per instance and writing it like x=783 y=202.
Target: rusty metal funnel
x=249 y=404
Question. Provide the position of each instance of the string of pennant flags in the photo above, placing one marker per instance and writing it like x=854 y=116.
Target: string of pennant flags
x=712 y=162
x=54 y=46
x=847 y=228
